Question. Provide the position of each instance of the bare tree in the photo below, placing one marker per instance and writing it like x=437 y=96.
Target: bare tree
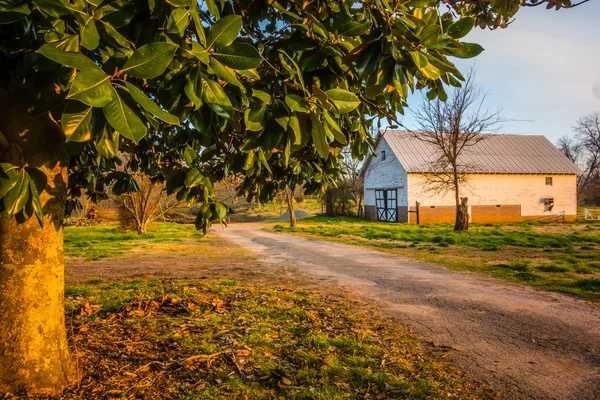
x=452 y=126
x=584 y=150
x=146 y=205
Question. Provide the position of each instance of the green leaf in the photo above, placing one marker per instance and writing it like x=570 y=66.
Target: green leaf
x=356 y=28
x=178 y=21
x=430 y=71
x=34 y=196
x=369 y=60
x=295 y=128
x=254 y=117
x=17 y=197
x=319 y=136
x=9 y=180
x=224 y=31
x=225 y=74
x=77 y=122
x=150 y=106
x=343 y=100
x=214 y=95
x=461 y=27
x=107 y=144
x=189 y=154
x=262 y=96
x=123 y=119
x=429 y=36
x=193 y=178
x=150 y=60
x=67 y=58
x=296 y=103
x=419 y=59
x=280 y=113
x=12 y=11
x=239 y=56
x=334 y=128
x=466 y=50
x=90 y=38
x=92 y=87
x=200 y=53
x=221 y=211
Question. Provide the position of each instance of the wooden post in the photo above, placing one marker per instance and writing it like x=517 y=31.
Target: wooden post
x=418 y=210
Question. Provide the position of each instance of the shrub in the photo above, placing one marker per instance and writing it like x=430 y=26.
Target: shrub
x=528 y=276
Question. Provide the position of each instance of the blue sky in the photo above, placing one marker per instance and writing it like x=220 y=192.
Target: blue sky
x=543 y=71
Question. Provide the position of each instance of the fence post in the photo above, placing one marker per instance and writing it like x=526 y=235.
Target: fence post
x=418 y=208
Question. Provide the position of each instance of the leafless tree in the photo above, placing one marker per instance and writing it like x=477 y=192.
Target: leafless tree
x=452 y=126
x=584 y=150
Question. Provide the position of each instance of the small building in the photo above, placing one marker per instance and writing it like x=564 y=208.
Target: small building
x=510 y=178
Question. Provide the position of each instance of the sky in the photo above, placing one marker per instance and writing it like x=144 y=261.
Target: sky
x=543 y=71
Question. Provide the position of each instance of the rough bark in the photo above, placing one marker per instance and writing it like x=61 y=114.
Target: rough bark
x=33 y=343
x=462 y=215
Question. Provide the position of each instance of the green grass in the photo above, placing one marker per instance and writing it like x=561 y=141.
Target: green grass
x=248 y=341
x=95 y=242
x=562 y=257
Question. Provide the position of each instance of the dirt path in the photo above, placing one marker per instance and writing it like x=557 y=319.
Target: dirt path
x=522 y=343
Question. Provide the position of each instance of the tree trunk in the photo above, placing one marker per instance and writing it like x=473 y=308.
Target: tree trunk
x=290 y=201
x=33 y=342
x=462 y=215
x=329 y=211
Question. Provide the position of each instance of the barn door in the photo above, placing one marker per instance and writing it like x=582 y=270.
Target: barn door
x=387 y=205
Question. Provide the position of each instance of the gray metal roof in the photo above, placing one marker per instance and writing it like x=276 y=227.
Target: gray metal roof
x=496 y=154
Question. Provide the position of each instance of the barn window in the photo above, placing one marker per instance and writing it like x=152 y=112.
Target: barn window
x=548 y=181
x=383 y=155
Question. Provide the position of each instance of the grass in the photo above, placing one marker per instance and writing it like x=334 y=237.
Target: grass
x=100 y=241
x=225 y=339
x=563 y=257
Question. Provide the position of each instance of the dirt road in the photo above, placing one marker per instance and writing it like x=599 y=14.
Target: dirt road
x=522 y=343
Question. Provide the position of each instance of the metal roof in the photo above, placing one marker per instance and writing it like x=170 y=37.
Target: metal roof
x=496 y=154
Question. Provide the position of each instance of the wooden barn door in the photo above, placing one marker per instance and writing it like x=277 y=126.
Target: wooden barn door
x=387 y=205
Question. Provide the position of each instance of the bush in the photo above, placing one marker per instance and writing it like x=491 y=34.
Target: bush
x=553 y=268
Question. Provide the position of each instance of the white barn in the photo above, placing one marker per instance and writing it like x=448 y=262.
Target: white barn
x=512 y=178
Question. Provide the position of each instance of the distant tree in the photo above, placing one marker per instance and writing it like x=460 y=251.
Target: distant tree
x=147 y=204
x=584 y=150
x=453 y=125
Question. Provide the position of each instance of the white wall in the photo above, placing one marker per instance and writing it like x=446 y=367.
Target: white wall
x=385 y=174
x=526 y=190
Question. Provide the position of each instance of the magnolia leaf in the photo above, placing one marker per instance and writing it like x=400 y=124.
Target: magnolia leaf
x=343 y=100
x=461 y=27
x=262 y=96
x=123 y=119
x=77 y=122
x=150 y=106
x=89 y=36
x=467 y=50
x=355 y=28
x=430 y=71
x=254 y=117
x=280 y=113
x=107 y=144
x=71 y=59
x=296 y=103
x=224 y=31
x=200 y=53
x=239 y=56
x=214 y=95
x=18 y=195
x=319 y=136
x=34 y=198
x=8 y=178
x=150 y=60
x=225 y=74
x=178 y=21
x=294 y=125
x=92 y=87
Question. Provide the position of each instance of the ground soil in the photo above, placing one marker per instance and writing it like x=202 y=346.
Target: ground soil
x=519 y=342
x=516 y=342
